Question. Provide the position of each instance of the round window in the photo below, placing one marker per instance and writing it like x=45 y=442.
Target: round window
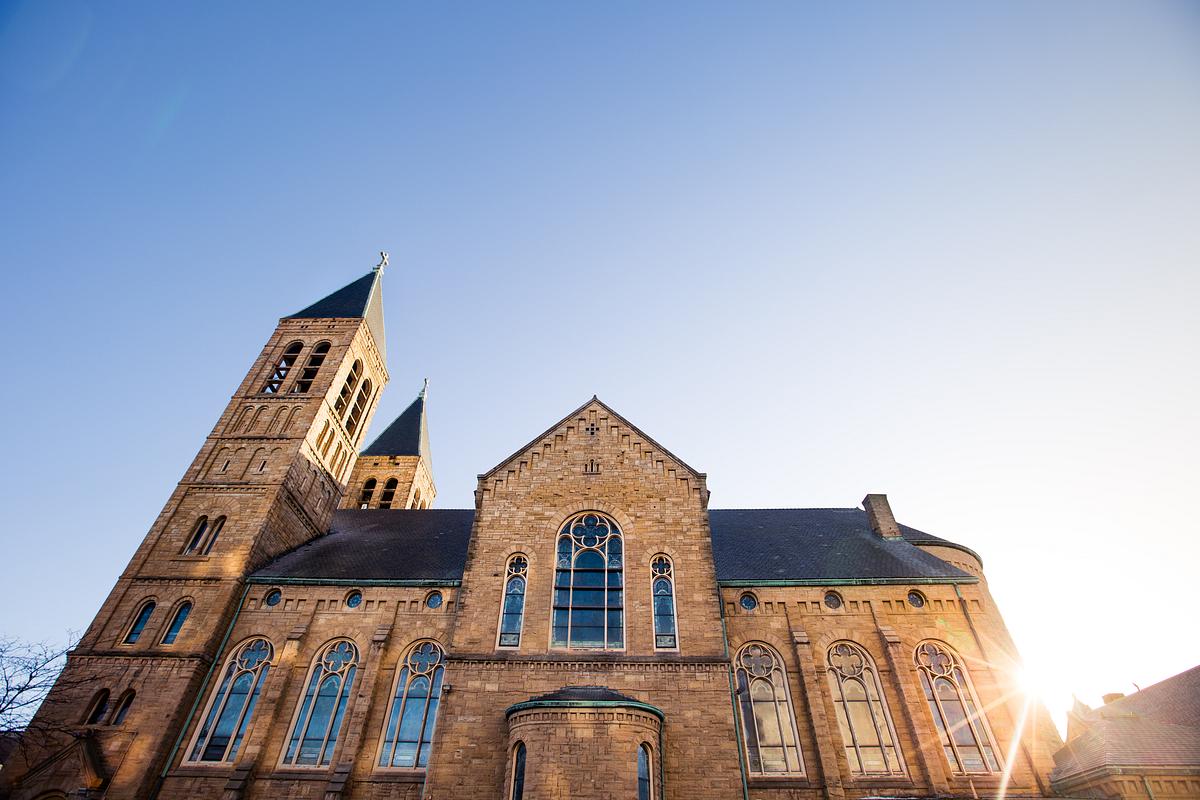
x=273 y=597
x=434 y=600
x=749 y=601
x=354 y=599
x=916 y=599
x=833 y=600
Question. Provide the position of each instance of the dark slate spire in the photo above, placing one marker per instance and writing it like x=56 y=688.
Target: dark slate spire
x=408 y=435
x=362 y=298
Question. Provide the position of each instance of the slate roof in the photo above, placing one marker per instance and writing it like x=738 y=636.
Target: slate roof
x=1156 y=727
x=391 y=545
x=796 y=544
x=408 y=435
x=595 y=694
x=819 y=544
x=360 y=298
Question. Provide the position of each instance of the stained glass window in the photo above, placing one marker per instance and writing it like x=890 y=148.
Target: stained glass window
x=319 y=721
x=232 y=706
x=181 y=615
x=588 y=584
x=282 y=367
x=768 y=724
x=662 y=587
x=408 y=730
x=139 y=623
x=862 y=712
x=518 y=780
x=961 y=725
x=916 y=599
x=748 y=601
x=512 y=613
x=833 y=600
x=643 y=772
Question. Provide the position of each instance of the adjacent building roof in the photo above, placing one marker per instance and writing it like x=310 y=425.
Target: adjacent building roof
x=819 y=545
x=805 y=545
x=408 y=435
x=1154 y=728
x=361 y=298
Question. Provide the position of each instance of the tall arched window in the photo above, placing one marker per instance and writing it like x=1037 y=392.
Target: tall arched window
x=512 y=614
x=662 y=587
x=768 y=723
x=588 y=587
x=232 y=705
x=213 y=533
x=181 y=615
x=360 y=405
x=97 y=709
x=311 y=367
x=388 y=494
x=368 y=489
x=644 y=771
x=319 y=719
x=408 y=731
x=282 y=367
x=122 y=711
x=867 y=731
x=961 y=726
x=518 y=772
x=139 y=623
x=197 y=538
x=347 y=392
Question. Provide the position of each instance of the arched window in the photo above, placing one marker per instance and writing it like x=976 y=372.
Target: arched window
x=368 y=489
x=232 y=706
x=122 y=711
x=347 y=393
x=588 y=587
x=197 y=538
x=662 y=586
x=215 y=531
x=181 y=615
x=512 y=613
x=644 y=771
x=408 y=730
x=768 y=723
x=319 y=720
x=867 y=730
x=97 y=709
x=282 y=367
x=518 y=773
x=388 y=494
x=961 y=726
x=311 y=367
x=139 y=623
x=360 y=405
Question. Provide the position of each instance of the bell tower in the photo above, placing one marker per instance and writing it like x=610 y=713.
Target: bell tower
x=396 y=470
x=266 y=479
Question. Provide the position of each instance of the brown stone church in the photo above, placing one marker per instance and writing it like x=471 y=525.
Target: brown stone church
x=300 y=622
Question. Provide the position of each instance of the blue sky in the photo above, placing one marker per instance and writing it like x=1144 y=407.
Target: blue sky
x=945 y=251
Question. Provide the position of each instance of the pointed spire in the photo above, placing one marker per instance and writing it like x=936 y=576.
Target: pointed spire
x=362 y=298
x=424 y=390
x=408 y=435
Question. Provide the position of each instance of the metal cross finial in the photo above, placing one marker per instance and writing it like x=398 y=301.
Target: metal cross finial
x=425 y=388
x=383 y=261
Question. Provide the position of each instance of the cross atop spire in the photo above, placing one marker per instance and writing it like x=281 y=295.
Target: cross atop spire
x=425 y=390
x=383 y=262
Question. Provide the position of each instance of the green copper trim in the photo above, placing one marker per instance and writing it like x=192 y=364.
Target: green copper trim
x=266 y=579
x=850 y=582
x=585 y=704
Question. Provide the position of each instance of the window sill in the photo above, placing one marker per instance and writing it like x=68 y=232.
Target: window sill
x=299 y=773
x=203 y=768
x=384 y=775
x=881 y=780
x=780 y=782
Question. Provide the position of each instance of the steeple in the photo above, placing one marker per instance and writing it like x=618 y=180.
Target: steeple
x=362 y=298
x=396 y=470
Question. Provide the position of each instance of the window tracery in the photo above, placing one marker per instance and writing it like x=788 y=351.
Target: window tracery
x=868 y=734
x=232 y=705
x=961 y=725
x=662 y=587
x=408 y=731
x=512 y=612
x=319 y=719
x=765 y=705
x=588 y=608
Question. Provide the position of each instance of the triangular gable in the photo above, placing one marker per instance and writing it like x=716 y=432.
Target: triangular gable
x=79 y=764
x=647 y=448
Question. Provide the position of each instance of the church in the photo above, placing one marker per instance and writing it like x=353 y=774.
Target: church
x=302 y=621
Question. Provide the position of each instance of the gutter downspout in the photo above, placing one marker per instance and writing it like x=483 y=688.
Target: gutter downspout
x=737 y=725
x=162 y=777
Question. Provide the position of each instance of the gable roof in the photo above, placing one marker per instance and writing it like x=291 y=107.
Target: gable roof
x=1156 y=727
x=598 y=402
x=408 y=435
x=750 y=546
x=820 y=545
x=360 y=298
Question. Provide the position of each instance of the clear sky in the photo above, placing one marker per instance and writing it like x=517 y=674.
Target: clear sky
x=947 y=251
